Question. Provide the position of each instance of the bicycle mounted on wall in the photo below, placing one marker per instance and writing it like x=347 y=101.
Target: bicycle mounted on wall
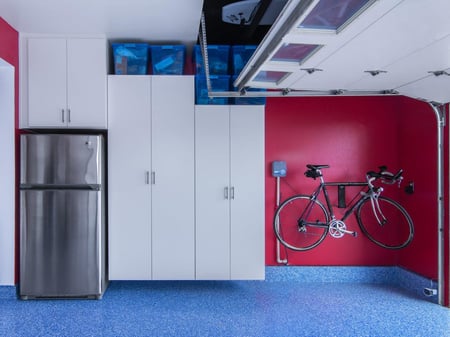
x=302 y=222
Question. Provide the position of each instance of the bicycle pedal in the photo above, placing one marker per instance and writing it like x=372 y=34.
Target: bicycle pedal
x=354 y=234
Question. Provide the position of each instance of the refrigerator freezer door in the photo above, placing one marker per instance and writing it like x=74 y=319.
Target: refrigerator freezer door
x=57 y=159
x=60 y=245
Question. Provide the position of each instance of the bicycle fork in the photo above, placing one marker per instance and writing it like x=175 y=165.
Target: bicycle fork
x=381 y=219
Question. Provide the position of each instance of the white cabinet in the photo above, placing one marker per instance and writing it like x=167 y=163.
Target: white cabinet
x=66 y=83
x=151 y=177
x=229 y=168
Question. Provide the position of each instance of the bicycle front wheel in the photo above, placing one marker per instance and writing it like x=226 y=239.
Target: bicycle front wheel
x=390 y=226
x=301 y=223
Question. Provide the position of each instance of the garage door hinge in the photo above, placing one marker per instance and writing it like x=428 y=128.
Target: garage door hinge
x=440 y=109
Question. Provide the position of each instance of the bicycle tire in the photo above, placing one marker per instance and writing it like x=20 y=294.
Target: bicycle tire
x=301 y=237
x=396 y=233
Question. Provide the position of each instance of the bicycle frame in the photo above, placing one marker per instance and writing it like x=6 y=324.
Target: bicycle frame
x=323 y=188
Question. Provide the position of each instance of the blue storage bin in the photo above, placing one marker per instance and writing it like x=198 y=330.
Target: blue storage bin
x=218 y=59
x=218 y=83
x=248 y=100
x=168 y=60
x=130 y=58
x=240 y=56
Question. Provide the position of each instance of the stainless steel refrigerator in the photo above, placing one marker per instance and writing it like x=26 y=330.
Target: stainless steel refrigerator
x=62 y=216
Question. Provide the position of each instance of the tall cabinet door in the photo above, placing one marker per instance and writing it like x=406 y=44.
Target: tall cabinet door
x=212 y=195
x=247 y=192
x=172 y=109
x=129 y=166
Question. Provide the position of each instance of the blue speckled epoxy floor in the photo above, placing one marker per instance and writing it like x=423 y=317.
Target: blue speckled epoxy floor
x=242 y=308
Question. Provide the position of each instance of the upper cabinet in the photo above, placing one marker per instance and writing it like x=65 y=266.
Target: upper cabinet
x=66 y=83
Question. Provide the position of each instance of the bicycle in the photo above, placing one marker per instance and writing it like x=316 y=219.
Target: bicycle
x=302 y=222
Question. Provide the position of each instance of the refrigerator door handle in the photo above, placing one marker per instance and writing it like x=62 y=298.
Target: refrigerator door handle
x=62 y=116
x=153 y=177
x=147 y=177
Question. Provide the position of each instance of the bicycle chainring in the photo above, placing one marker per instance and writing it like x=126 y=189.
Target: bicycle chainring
x=336 y=228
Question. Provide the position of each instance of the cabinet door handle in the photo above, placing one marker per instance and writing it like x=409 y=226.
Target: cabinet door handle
x=68 y=116
x=153 y=178
x=147 y=177
x=225 y=193
x=232 y=193
x=62 y=116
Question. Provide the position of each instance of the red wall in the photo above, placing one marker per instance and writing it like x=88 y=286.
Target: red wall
x=9 y=51
x=354 y=135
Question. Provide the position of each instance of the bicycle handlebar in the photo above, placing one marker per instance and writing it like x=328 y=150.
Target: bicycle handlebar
x=385 y=176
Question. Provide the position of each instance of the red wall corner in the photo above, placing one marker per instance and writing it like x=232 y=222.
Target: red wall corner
x=9 y=51
x=354 y=135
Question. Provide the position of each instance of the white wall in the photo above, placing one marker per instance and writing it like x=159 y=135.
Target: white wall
x=7 y=173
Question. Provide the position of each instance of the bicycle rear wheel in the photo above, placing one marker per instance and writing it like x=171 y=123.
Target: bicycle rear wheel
x=395 y=232
x=301 y=223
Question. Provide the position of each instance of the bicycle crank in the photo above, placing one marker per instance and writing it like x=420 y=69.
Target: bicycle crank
x=338 y=229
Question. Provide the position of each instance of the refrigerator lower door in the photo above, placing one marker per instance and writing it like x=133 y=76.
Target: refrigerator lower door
x=61 y=253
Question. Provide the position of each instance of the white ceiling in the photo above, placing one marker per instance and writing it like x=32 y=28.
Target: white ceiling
x=147 y=20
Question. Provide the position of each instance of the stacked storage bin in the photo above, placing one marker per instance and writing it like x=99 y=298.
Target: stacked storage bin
x=168 y=59
x=133 y=59
x=240 y=56
x=218 y=61
x=225 y=64
x=130 y=58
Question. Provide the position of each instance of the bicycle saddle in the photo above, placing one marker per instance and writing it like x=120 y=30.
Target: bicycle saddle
x=317 y=167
